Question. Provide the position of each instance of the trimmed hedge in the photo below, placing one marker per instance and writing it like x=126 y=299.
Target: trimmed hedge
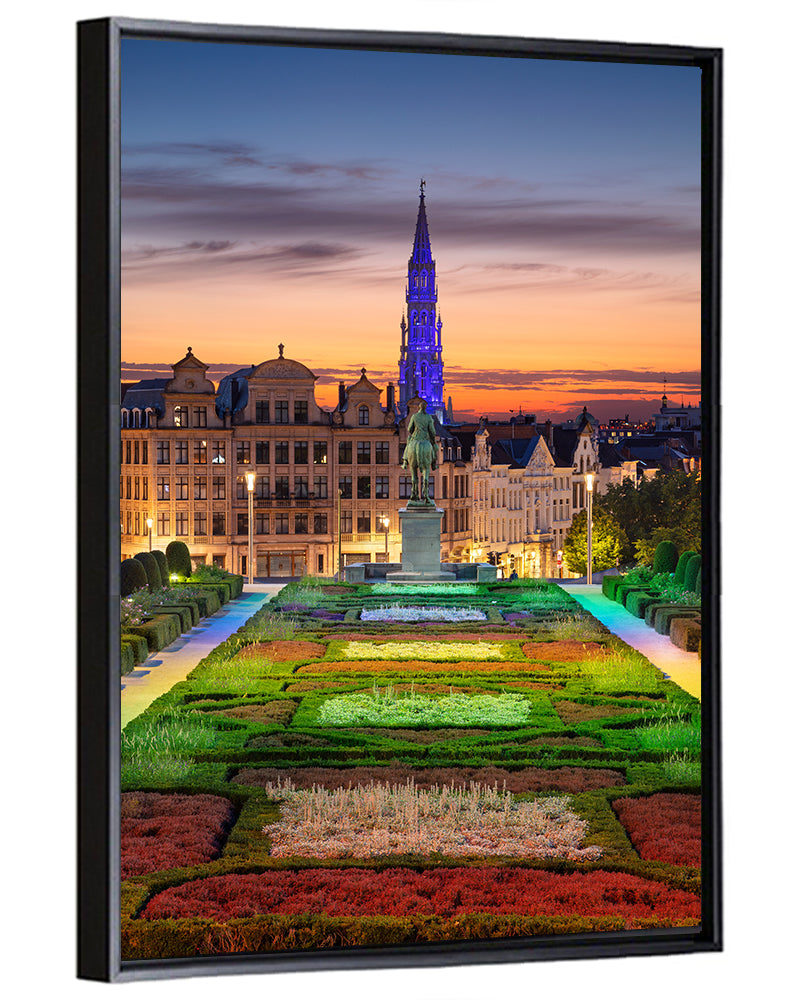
x=159 y=631
x=664 y=616
x=222 y=590
x=682 y=563
x=653 y=607
x=665 y=560
x=179 y=559
x=693 y=574
x=207 y=601
x=126 y=658
x=138 y=644
x=163 y=565
x=151 y=569
x=639 y=600
x=132 y=577
x=610 y=583
x=183 y=611
x=686 y=633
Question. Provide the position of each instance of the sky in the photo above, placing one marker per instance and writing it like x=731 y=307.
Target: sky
x=270 y=194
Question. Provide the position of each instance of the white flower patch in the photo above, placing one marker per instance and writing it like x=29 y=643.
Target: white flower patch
x=425 y=589
x=395 y=613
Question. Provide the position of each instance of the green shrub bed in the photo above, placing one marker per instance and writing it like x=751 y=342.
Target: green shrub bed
x=537 y=707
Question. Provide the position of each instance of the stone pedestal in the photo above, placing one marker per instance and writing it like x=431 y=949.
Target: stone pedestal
x=420 y=545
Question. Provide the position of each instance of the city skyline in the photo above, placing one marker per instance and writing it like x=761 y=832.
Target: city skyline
x=269 y=195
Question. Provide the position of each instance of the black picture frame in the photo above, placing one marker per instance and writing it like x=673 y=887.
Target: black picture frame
x=99 y=43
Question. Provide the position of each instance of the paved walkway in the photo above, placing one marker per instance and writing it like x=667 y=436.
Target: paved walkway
x=162 y=670
x=683 y=668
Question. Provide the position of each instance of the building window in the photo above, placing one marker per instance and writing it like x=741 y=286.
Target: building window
x=431 y=487
x=281 y=524
x=300 y=453
x=241 y=488
x=163 y=523
x=363 y=487
x=219 y=488
x=364 y=416
x=163 y=453
x=382 y=487
x=180 y=416
x=262 y=453
x=243 y=453
x=320 y=524
x=282 y=488
x=180 y=452
x=138 y=522
x=319 y=452
x=262 y=488
x=199 y=452
x=321 y=488
x=129 y=522
x=363 y=522
x=200 y=522
x=144 y=453
x=219 y=522
x=382 y=453
x=181 y=488
x=363 y=452
x=262 y=414
x=243 y=524
x=128 y=487
x=136 y=449
x=301 y=487
x=219 y=452
x=281 y=412
x=200 y=416
x=346 y=522
x=444 y=487
x=145 y=488
x=200 y=487
x=404 y=487
x=163 y=487
x=300 y=412
x=320 y=562
x=344 y=453
x=261 y=523
x=302 y=524
x=345 y=483
x=282 y=452
x=181 y=523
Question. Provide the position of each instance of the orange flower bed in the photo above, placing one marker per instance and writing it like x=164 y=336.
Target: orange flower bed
x=571 y=712
x=527 y=779
x=563 y=651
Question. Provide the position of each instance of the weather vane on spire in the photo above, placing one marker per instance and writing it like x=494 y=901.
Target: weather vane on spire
x=422 y=187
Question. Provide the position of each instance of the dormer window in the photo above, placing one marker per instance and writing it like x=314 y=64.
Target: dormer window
x=364 y=416
x=180 y=416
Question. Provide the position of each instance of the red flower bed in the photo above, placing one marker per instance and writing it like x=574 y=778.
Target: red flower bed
x=664 y=827
x=563 y=651
x=171 y=831
x=446 y=891
x=527 y=779
x=421 y=667
x=281 y=650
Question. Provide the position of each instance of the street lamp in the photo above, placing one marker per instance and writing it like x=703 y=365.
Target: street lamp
x=250 y=477
x=589 y=491
x=149 y=529
x=386 y=522
x=339 y=537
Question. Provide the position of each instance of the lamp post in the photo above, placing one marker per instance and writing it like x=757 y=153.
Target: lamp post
x=589 y=491
x=149 y=529
x=559 y=561
x=386 y=522
x=250 y=477
x=339 y=537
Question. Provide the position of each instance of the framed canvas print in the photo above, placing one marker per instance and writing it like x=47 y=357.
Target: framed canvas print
x=398 y=635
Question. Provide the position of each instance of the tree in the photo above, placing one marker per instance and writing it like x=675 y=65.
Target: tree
x=609 y=542
x=669 y=506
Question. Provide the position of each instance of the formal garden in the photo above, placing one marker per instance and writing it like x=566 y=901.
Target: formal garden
x=370 y=765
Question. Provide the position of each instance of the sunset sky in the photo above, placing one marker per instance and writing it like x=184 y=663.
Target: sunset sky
x=270 y=195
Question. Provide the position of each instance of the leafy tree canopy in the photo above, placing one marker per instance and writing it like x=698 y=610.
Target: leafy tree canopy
x=609 y=546
x=669 y=506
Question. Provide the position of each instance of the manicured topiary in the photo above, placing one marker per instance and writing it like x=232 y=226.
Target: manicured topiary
x=179 y=559
x=132 y=577
x=151 y=569
x=665 y=560
x=163 y=565
x=609 y=585
x=682 y=562
x=693 y=574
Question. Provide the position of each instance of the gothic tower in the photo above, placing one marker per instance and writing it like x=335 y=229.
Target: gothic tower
x=420 y=364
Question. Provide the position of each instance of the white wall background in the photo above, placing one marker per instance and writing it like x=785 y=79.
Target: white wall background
x=36 y=867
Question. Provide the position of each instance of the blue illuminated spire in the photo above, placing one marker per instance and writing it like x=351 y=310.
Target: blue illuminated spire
x=420 y=364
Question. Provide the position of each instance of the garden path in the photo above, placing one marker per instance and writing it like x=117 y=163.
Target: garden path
x=167 y=667
x=685 y=669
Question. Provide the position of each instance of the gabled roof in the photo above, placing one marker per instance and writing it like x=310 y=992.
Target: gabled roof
x=363 y=384
x=146 y=394
x=233 y=391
